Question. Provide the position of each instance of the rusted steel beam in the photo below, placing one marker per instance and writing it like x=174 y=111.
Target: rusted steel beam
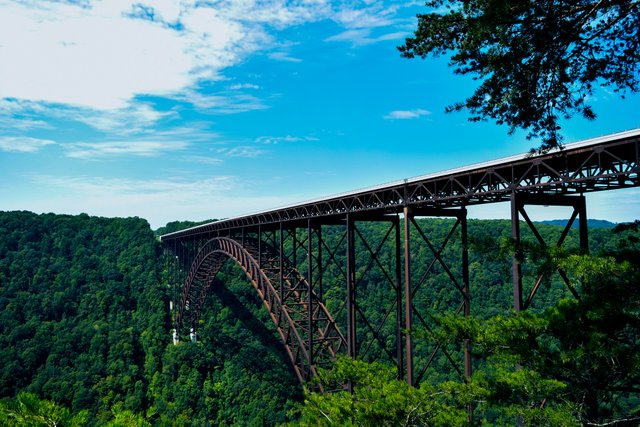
x=408 y=292
x=351 y=289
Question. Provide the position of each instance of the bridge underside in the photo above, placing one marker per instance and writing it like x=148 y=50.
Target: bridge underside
x=312 y=264
x=294 y=266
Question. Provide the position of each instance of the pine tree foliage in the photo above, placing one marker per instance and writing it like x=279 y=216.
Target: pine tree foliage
x=536 y=61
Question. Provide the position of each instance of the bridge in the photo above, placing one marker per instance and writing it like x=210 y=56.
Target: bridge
x=290 y=254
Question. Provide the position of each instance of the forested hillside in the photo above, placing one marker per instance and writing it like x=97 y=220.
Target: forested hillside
x=85 y=322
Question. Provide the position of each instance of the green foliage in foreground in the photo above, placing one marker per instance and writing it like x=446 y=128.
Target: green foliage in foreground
x=577 y=363
x=378 y=398
x=27 y=410
x=501 y=395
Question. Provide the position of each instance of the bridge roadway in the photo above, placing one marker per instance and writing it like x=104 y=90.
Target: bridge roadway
x=287 y=257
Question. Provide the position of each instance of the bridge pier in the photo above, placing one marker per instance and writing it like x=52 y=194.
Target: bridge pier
x=519 y=201
x=412 y=286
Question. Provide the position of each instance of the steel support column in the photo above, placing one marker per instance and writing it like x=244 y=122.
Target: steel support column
x=466 y=292
x=351 y=288
x=310 y=281
x=398 y=278
x=260 y=246
x=281 y=261
x=516 y=268
x=408 y=303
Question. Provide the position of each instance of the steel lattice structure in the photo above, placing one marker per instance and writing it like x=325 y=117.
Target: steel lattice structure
x=286 y=256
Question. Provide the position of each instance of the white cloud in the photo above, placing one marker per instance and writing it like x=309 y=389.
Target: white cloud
x=371 y=22
x=362 y=36
x=407 y=114
x=93 y=61
x=133 y=119
x=92 y=57
x=103 y=53
x=24 y=121
x=23 y=144
x=376 y=15
x=86 y=185
x=99 y=150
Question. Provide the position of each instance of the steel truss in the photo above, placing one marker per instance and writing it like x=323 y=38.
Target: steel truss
x=300 y=319
x=606 y=163
x=291 y=255
x=290 y=266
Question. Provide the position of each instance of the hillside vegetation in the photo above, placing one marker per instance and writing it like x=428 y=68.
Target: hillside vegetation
x=85 y=322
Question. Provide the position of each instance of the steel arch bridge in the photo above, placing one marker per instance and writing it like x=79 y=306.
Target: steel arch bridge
x=290 y=254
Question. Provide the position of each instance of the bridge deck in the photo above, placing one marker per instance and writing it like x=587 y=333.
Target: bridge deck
x=602 y=163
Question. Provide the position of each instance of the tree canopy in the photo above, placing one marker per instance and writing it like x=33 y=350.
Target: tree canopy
x=85 y=333
x=537 y=61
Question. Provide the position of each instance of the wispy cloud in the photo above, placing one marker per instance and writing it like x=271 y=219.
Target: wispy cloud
x=101 y=150
x=229 y=102
x=135 y=118
x=238 y=86
x=167 y=48
x=407 y=114
x=283 y=56
x=376 y=14
x=86 y=184
x=371 y=22
x=363 y=36
x=159 y=48
x=281 y=139
x=15 y=115
x=202 y=159
x=241 y=151
x=158 y=200
x=193 y=132
x=23 y=144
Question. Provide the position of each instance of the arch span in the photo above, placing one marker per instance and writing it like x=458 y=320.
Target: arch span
x=309 y=334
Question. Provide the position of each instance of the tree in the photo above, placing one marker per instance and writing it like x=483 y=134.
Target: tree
x=27 y=410
x=500 y=394
x=590 y=345
x=379 y=399
x=537 y=60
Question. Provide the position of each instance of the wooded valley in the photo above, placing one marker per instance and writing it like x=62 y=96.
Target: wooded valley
x=85 y=335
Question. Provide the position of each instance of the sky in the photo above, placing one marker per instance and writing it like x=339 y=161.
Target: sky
x=195 y=109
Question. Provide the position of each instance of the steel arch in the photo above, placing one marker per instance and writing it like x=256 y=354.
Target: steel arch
x=306 y=347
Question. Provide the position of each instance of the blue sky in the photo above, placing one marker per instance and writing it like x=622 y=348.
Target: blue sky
x=173 y=110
